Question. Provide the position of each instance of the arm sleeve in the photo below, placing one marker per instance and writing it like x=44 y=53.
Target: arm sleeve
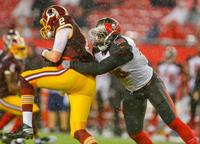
x=61 y=39
x=120 y=57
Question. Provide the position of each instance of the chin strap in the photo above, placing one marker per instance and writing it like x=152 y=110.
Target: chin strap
x=107 y=41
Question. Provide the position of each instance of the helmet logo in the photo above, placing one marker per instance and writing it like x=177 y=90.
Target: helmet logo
x=108 y=27
x=51 y=13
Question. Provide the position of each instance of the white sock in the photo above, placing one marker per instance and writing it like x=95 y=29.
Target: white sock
x=27 y=118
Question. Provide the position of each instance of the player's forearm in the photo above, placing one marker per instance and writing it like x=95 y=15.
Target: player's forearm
x=89 y=68
x=104 y=66
x=60 y=42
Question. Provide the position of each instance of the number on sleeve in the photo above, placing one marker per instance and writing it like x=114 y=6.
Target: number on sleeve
x=61 y=21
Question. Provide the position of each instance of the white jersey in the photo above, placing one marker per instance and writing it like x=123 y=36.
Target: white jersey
x=193 y=66
x=169 y=73
x=136 y=73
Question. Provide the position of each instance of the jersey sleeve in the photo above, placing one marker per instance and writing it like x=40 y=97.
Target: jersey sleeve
x=61 y=39
x=64 y=22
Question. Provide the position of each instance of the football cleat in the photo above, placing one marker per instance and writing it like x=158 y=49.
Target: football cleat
x=25 y=132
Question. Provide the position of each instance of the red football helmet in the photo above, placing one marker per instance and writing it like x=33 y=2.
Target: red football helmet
x=106 y=30
x=49 y=18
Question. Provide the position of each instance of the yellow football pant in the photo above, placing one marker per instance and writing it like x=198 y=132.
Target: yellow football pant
x=13 y=105
x=80 y=88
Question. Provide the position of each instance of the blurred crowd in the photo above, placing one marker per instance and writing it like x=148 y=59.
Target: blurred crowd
x=173 y=23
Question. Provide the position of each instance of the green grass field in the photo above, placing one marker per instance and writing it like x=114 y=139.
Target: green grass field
x=66 y=139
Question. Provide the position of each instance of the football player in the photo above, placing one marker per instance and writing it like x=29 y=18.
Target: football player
x=169 y=71
x=69 y=43
x=10 y=68
x=121 y=57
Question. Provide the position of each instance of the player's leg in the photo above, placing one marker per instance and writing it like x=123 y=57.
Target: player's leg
x=134 y=108
x=12 y=104
x=166 y=109
x=69 y=81
x=80 y=105
x=79 y=110
x=193 y=108
x=51 y=78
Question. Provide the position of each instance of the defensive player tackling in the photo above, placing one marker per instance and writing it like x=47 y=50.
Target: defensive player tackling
x=121 y=57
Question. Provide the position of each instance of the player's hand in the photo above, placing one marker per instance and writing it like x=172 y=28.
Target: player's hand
x=66 y=64
x=44 y=58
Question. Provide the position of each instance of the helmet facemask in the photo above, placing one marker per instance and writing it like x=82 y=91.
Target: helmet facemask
x=101 y=38
x=46 y=31
x=19 y=51
x=48 y=23
x=98 y=36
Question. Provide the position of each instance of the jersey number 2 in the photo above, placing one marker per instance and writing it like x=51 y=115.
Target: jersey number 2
x=61 y=21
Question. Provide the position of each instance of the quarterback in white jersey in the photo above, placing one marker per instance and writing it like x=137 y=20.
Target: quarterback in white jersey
x=122 y=58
